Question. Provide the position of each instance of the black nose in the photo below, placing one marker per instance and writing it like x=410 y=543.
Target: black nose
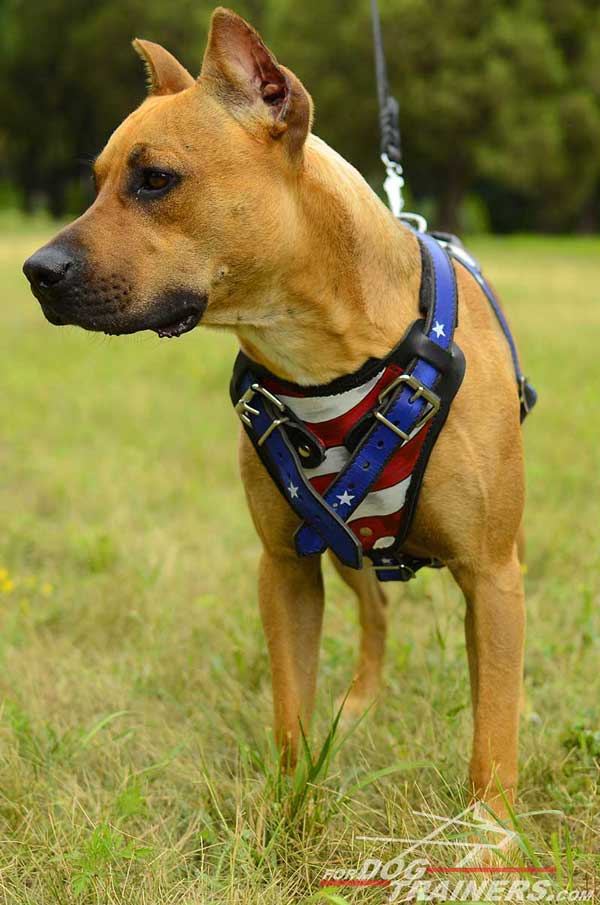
x=48 y=267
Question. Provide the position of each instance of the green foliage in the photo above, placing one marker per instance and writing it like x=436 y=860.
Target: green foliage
x=498 y=99
x=105 y=850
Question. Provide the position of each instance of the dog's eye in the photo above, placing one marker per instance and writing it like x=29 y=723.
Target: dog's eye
x=153 y=183
x=154 y=180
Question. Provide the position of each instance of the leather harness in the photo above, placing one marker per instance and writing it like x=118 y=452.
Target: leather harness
x=349 y=456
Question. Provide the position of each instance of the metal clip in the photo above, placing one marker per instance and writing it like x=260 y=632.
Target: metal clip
x=420 y=391
x=393 y=184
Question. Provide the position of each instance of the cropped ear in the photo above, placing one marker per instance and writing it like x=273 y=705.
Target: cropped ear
x=247 y=80
x=165 y=74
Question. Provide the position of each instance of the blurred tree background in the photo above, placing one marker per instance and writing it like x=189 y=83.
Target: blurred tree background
x=500 y=101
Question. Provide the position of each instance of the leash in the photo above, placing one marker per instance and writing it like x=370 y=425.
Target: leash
x=391 y=156
x=389 y=121
x=389 y=127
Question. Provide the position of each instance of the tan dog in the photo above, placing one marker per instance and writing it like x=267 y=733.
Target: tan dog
x=216 y=202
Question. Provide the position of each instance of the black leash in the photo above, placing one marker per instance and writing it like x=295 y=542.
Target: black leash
x=389 y=121
x=389 y=108
x=389 y=126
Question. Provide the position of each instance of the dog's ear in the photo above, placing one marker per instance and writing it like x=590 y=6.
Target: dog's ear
x=248 y=81
x=165 y=74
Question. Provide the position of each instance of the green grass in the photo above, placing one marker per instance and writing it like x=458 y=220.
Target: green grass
x=136 y=762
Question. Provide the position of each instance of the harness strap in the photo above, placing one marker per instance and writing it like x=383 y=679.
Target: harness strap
x=262 y=415
x=414 y=403
x=455 y=248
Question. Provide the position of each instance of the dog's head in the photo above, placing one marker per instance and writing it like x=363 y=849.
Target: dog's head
x=194 y=194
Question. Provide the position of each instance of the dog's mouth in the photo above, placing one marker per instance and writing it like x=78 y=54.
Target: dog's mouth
x=172 y=313
x=183 y=323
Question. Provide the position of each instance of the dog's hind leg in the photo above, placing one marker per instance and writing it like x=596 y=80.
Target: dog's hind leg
x=495 y=633
x=372 y=605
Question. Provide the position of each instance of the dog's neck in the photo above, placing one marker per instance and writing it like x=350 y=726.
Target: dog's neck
x=350 y=287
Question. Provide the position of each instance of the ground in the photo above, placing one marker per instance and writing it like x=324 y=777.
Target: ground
x=136 y=762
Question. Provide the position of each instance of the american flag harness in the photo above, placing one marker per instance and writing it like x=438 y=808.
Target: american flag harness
x=349 y=456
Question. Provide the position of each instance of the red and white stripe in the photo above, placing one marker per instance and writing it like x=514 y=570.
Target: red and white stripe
x=377 y=519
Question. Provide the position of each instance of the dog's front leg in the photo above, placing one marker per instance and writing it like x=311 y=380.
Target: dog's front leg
x=495 y=633
x=291 y=606
x=290 y=591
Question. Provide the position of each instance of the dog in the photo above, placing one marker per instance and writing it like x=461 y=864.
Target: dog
x=217 y=205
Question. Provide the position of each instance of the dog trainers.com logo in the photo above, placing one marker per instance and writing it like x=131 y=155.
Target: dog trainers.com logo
x=481 y=870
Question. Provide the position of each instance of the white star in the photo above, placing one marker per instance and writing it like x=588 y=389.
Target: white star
x=345 y=498
x=293 y=491
x=438 y=329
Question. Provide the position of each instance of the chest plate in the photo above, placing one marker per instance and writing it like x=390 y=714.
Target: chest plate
x=331 y=419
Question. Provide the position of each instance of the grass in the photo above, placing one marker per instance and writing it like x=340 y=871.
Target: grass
x=136 y=761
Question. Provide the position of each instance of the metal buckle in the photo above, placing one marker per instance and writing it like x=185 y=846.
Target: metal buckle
x=276 y=423
x=244 y=410
x=420 y=391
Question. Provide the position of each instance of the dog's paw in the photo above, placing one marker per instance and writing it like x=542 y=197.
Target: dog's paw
x=495 y=842
x=356 y=704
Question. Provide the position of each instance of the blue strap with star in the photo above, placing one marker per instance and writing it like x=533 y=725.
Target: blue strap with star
x=263 y=415
x=414 y=403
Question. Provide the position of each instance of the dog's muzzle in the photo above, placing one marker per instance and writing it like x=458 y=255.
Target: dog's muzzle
x=61 y=280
